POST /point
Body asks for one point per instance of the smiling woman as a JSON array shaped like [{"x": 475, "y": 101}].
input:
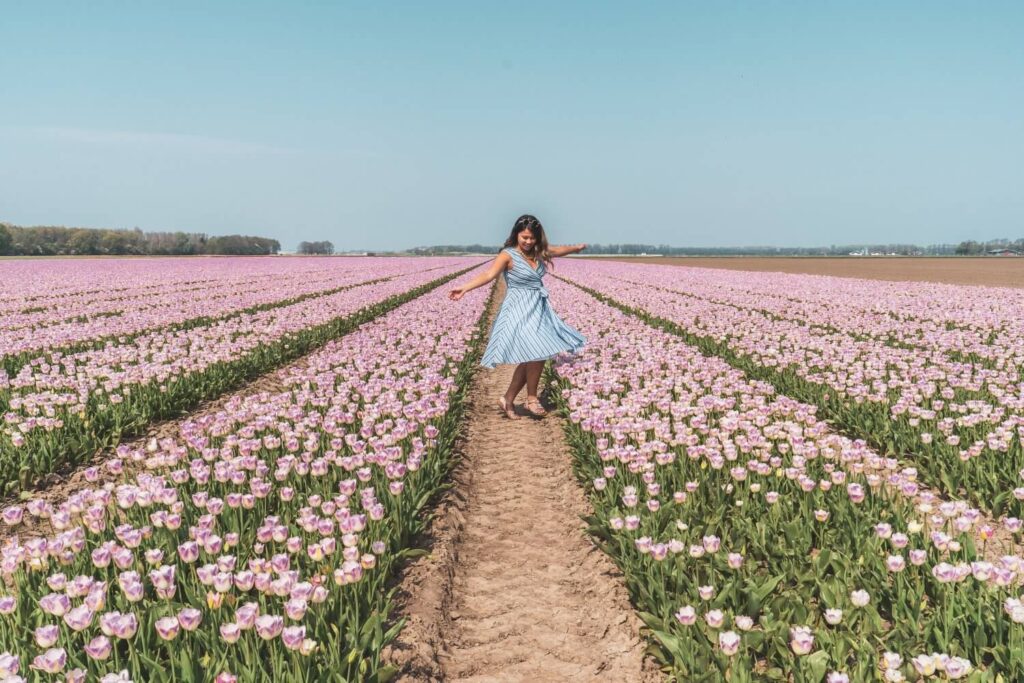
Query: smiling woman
[{"x": 526, "y": 331}]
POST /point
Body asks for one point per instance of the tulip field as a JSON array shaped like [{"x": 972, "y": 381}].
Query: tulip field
[
  {"x": 62, "y": 404},
  {"x": 256, "y": 545},
  {"x": 930, "y": 371},
  {"x": 800, "y": 476},
  {"x": 129, "y": 297}
]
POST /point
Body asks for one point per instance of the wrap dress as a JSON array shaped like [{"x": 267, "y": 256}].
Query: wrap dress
[{"x": 526, "y": 327}]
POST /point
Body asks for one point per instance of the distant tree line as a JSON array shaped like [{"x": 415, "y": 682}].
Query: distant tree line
[
  {"x": 972, "y": 248},
  {"x": 61, "y": 241},
  {"x": 964, "y": 248},
  {"x": 455, "y": 249},
  {"x": 323, "y": 247}
]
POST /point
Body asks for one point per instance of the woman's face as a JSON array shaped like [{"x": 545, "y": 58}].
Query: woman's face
[{"x": 526, "y": 240}]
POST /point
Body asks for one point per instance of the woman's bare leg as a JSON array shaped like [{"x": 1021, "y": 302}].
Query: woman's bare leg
[
  {"x": 516, "y": 385},
  {"x": 533, "y": 371}
]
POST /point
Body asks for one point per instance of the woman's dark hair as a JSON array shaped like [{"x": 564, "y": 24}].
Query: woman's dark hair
[{"x": 540, "y": 241}]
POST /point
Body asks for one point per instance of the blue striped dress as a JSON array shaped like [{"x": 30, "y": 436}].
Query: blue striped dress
[{"x": 526, "y": 327}]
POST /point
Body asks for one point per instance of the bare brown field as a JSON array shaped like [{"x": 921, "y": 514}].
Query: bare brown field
[{"x": 992, "y": 271}]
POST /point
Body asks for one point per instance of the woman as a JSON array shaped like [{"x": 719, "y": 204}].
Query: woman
[{"x": 526, "y": 330}]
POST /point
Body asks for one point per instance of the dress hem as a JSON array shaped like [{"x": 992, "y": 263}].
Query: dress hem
[{"x": 573, "y": 350}]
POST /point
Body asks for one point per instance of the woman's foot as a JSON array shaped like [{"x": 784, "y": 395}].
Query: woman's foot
[
  {"x": 507, "y": 408},
  {"x": 534, "y": 407}
]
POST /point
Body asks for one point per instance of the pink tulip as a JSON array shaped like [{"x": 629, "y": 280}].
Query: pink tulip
[
  {"x": 687, "y": 615},
  {"x": 957, "y": 667},
  {"x": 55, "y": 603},
  {"x": 729, "y": 643},
  {"x": 190, "y": 618},
  {"x": 801, "y": 640},
  {"x": 78, "y": 618},
  {"x": 8, "y": 604},
  {"x": 9, "y": 664},
  {"x": 293, "y": 636},
  {"x": 52, "y": 661},
  {"x": 245, "y": 616},
  {"x": 12, "y": 516},
  {"x": 45, "y": 636},
  {"x": 855, "y": 493},
  {"x": 167, "y": 627},
  {"x": 895, "y": 563},
  {"x": 99, "y": 648},
  {"x": 230, "y": 632},
  {"x": 268, "y": 626}
]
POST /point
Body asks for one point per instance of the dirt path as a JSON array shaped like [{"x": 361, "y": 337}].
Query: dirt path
[
  {"x": 993, "y": 271},
  {"x": 513, "y": 590}
]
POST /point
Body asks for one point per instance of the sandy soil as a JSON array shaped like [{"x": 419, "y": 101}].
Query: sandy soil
[
  {"x": 994, "y": 271},
  {"x": 513, "y": 590}
]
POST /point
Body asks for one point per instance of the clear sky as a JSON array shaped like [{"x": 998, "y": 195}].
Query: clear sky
[{"x": 385, "y": 125}]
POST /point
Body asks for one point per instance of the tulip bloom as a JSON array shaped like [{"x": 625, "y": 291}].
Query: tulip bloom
[
  {"x": 729, "y": 643},
  {"x": 167, "y": 627},
  {"x": 190, "y": 618},
  {"x": 230, "y": 632},
  {"x": 268, "y": 626},
  {"x": 687, "y": 615},
  {"x": 9, "y": 664},
  {"x": 52, "y": 661},
  {"x": 45, "y": 636},
  {"x": 860, "y": 598},
  {"x": 99, "y": 648},
  {"x": 801, "y": 640}
]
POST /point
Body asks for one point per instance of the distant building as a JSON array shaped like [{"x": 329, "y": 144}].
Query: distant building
[{"x": 1003, "y": 251}]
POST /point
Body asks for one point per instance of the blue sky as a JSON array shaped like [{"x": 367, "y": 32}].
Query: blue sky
[{"x": 385, "y": 125}]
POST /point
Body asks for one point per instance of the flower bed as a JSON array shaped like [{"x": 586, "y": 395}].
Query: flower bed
[
  {"x": 947, "y": 397},
  {"x": 758, "y": 543},
  {"x": 256, "y": 546},
  {"x": 161, "y": 294},
  {"x": 59, "y": 412}
]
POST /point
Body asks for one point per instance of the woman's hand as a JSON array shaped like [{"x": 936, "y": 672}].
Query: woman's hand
[
  {"x": 580, "y": 247},
  {"x": 456, "y": 293}
]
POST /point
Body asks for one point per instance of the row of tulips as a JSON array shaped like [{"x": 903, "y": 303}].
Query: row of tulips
[
  {"x": 960, "y": 421},
  {"x": 760, "y": 544},
  {"x": 58, "y": 414},
  {"x": 983, "y": 324},
  {"x": 175, "y": 299},
  {"x": 258, "y": 544},
  {"x": 45, "y": 283},
  {"x": 85, "y": 279}
]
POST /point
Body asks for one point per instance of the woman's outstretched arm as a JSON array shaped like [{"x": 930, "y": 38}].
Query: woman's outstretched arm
[
  {"x": 501, "y": 262},
  {"x": 565, "y": 251}
]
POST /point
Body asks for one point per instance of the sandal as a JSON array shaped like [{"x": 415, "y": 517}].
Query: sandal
[
  {"x": 510, "y": 411},
  {"x": 534, "y": 407}
]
